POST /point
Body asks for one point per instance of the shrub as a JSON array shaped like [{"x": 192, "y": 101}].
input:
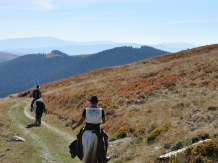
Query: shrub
[
  {"x": 182, "y": 143},
  {"x": 121, "y": 133},
  {"x": 204, "y": 152},
  {"x": 212, "y": 108},
  {"x": 154, "y": 133},
  {"x": 188, "y": 141},
  {"x": 199, "y": 137}
]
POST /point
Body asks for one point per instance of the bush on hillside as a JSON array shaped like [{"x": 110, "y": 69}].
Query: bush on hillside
[
  {"x": 199, "y": 137},
  {"x": 212, "y": 108},
  {"x": 206, "y": 152},
  {"x": 188, "y": 141},
  {"x": 121, "y": 133},
  {"x": 154, "y": 133},
  {"x": 182, "y": 143}
]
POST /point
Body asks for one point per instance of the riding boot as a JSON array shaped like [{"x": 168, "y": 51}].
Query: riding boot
[{"x": 73, "y": 148}]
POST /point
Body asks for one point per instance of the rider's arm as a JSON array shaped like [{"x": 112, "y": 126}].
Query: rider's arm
[
  {"x": 102, "y": 120},
  {"x": 79, "y": 122},
  {"x": 82, "y": 118},
  {"x": 103, "y": 117}
]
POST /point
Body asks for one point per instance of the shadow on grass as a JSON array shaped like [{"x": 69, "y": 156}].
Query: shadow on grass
[{"x": 32, "y": 125}]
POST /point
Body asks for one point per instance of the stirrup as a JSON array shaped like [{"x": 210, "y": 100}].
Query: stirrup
[{"x": 106, "y": 159}]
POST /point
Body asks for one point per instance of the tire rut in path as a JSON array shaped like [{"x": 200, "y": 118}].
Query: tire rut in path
[
  {"x": 45, "y": 153},
  {"x": 46, "y": 156},
  {"x": 68, "y": 137}
]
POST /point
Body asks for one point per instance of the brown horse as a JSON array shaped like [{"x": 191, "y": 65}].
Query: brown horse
[{"x": 91, "y": 148}]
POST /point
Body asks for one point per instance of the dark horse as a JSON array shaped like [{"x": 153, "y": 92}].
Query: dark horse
[
  {"x": 91, "y": 149},
  {"x": 39, "y": 108}
]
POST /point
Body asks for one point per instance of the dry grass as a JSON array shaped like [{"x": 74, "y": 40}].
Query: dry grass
[
  {"x": 52, "y": 144},
  {"x": 176, "y": 91},
  {"x": 13, "y": 151}
]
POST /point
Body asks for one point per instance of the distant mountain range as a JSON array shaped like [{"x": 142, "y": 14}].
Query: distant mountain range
[
  {"x": 174, "y": 47},
  {"x": 31, "y": 45},
  {"x": 28, "y": 70},
  {"x": 7, "y": 56}
]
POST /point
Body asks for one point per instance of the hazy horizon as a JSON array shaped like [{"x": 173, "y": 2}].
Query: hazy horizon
[
  {"x": 133, "y": 21},
  {"x": 33, "y": 45}
]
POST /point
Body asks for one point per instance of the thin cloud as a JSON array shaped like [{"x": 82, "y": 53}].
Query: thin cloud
[
  {"x": 44, "y": 5},
  {"x": 27, "y": 5}
]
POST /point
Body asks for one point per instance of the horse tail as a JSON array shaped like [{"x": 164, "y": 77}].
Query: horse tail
[{"x": 90, "y": 143}]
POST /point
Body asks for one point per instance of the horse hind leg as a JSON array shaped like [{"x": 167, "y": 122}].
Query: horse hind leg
[
  {"x": 35, "y": 122},
  {"x": 39, "y": 120}
]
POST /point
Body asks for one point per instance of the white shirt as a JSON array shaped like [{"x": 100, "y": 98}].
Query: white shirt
[{"x": 93, "y": 115}]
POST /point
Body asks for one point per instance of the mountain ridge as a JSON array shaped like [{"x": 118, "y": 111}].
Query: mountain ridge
[{"x": 29, "y": 70}]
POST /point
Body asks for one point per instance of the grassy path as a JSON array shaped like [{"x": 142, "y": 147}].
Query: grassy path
[{"x": 51, "y": 144}]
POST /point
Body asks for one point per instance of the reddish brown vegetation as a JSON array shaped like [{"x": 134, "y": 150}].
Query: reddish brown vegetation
[{"x": 139, "y": 97}]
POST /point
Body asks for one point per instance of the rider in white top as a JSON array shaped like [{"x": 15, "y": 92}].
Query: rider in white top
[{"x": 94, "y": 117}]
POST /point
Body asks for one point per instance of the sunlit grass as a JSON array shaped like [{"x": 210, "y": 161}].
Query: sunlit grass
[
  {"x": 57, "y": 146},
  {"x": 176, "y": 90}
]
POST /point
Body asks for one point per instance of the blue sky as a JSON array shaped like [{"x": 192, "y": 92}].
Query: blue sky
[{"x": 134, "y": 21}]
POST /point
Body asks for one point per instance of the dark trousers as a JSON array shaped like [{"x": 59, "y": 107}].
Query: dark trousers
[{"x": 33, "y": 102}]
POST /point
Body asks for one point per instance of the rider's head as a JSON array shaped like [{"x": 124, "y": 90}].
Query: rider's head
[
  {"x": 94, "y": 99},
  {"x": 37, "y": 86}
]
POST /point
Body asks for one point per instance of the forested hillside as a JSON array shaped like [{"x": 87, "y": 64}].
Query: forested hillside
[{"x": 28, "y": 70}]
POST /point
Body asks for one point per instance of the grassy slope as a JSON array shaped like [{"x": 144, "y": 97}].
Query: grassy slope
[
  {"x": 172, "y": 94},
  {"x": 39, "y": 140},
  {"x": 13, "y": 151}
]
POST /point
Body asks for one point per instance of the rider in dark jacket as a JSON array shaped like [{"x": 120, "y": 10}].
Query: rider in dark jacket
[
  {"x": 36, "y": 95},
  {"x": 94, "y": 117}
]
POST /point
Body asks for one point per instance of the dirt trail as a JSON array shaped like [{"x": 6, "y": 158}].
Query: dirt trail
[
  {"x": 44, "y": 152},
  {"x": 66, "y": 136},
  {"x": 47, "y": 155}
]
